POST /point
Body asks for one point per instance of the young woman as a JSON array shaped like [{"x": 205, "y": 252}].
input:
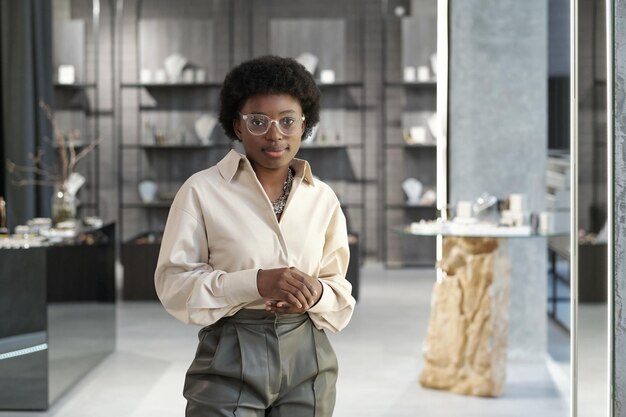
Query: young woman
[{"x": 255, "y": 250}]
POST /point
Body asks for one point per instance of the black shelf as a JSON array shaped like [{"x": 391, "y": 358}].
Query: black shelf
[
  {"x": 404, "y": 206},
  {"x": 159, "y": 204},
  {"x": 342, "y": 84},
  {"x": 414, "y": 146},
  {"x": 331, "y": 146},
  {"x": 175, "y": 147},
  {"x": 414, "y": 84},
  {"x": 76, "y": 86},
  {"x": 172, "y": 86}
]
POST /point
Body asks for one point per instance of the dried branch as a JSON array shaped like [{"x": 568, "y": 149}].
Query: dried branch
[
  {"x": 65, "y": 148},
  {"x": 59, "y": 139},
  {"x": 87, "y": 149}
]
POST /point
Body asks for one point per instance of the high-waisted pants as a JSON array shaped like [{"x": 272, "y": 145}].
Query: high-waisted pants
[{"x": 258, "y": 364}]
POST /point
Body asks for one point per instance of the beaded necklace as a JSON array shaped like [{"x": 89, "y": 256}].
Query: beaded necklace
[{"x": 279, "y": 205}]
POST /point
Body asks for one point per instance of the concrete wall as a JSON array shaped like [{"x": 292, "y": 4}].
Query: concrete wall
[{"x": 497, "y": 135}]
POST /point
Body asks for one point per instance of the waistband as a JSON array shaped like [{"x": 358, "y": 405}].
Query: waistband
[{"x": 251, "y": 316}]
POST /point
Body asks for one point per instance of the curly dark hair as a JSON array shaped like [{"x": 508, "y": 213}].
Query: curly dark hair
[{"x": 268, "y": 75}]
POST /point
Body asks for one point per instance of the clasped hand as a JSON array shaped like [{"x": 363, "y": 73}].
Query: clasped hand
[{"x": 288, "y": 290}]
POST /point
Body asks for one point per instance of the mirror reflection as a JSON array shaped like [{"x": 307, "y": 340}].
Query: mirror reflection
[{"x": 592, "y": 317}]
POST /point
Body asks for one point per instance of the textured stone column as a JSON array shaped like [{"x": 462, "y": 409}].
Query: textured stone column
[
  {"x": 498, "y": 136},
  {"x": 466, "y": 345},
  {"x": 619, "y": 206}
]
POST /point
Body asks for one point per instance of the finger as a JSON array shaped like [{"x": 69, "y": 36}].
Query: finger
[
  {"x": 294, "y": 293},
  {"x": 300, "y": 285},
  {"x": 306, "y": 279},
  {"x": 288, "y": 309},
  {"x": 299, "y": 301}
]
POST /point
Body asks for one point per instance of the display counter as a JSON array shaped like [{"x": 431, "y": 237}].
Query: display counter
[
  {"x": 466, "y": 344},
  {"x": 57, "y": 316}
]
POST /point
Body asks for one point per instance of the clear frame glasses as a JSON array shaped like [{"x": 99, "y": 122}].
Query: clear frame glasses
[{"x": 259, "y": 124}]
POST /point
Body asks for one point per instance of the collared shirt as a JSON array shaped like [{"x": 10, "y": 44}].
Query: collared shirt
[{"x": 221, "y": 229}]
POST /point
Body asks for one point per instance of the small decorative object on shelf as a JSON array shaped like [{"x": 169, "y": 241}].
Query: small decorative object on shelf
[
  {"x": 145, "y": 76},
  {"x": 188, "y": 75},
  {"x": 204, "y": 127},
  {"x": 200, "y": 76},
  {"x": 309, "y": 61},
  {"x": 486, "y": 208},
  {"x": 174, "y": 65},
  {"x": 418, "y": 135},
  {"x": 413, "y": 189},
  {"x": 66, "y": 74},
  {"x": 423, "y": 73},
  {"x": 3, "y": 217},
  {"x": 327, "y": 76},
  {"x": 160, "y": 76},
  {"x": 147, "y": 191},
  {"x": 64, "y": 179},
  {"x": 410, "y": 74},
  {"x": 429, "y": 198}
]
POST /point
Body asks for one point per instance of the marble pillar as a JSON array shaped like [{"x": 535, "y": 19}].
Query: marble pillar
[
  {"x": 466, "y": 345},
  {"x": 498, "y": 136}
]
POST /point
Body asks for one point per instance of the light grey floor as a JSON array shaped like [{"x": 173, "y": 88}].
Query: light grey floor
[{"x": 379, "y": 355}]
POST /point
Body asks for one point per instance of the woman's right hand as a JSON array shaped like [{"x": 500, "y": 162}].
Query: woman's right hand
[{"x": 287, "y": 284}]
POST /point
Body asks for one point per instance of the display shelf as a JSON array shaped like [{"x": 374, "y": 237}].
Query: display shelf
[
  {"x": 77, "y": 105},
  {"x": 78, "y": 86},
  {"x": 199, "y": 32},
  {"x": 335, "y": 36},
  {"x": 340, "y": 84},
  {"x": 192, "y": 147},
  {"x": 412, "y": 146},
  {"x": 406, "y": 206},
  {"x": 152, "y": 205},
  {"x": 409, "y": 42},
  {"x": 326, "y": 146},
  {"x": 172, "y": 86},
  {"x": 430, "y": 85}
]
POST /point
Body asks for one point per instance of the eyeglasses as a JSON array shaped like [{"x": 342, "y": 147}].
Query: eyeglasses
[{"x": 259, "y": 124}]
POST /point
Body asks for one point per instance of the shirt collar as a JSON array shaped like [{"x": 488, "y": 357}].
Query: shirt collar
[{"x": 232, "y": 162}]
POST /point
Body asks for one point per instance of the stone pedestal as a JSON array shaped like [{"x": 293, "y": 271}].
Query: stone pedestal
[{"x": 466, "y": 345}]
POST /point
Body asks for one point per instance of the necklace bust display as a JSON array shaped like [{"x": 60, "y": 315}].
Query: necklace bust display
[{"x": 279, "y": 205}]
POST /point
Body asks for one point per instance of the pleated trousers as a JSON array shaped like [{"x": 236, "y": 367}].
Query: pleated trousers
[{"x": 258, "y": 364}]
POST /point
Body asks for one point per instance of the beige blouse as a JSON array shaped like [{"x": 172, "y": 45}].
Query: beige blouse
[{"x": 221, "y": 229}]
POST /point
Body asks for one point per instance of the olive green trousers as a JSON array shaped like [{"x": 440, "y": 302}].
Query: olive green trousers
[{"x": 257, "y": 364}]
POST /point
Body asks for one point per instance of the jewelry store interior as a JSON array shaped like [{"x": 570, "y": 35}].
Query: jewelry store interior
[{"x": 465, "y": 140}]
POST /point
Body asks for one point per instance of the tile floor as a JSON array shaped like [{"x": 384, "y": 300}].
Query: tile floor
[{"x": 379, "y": 355}]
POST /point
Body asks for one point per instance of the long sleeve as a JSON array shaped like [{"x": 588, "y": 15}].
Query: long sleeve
[
  {"x": 189, "y": 288},
  {"x": 336, "y": 305}
]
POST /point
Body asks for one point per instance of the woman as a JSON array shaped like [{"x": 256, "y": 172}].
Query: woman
[{"x": 255, "y": 250}]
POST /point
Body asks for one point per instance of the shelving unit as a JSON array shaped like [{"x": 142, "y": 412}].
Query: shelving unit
[
  {"x": 76, "y": 40},
  {"x": 334, "y": 34},
  {"x": 165, "y": 147},
  {"x": 409, "y": 40},
  {"x": 286, "y": 28}
]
